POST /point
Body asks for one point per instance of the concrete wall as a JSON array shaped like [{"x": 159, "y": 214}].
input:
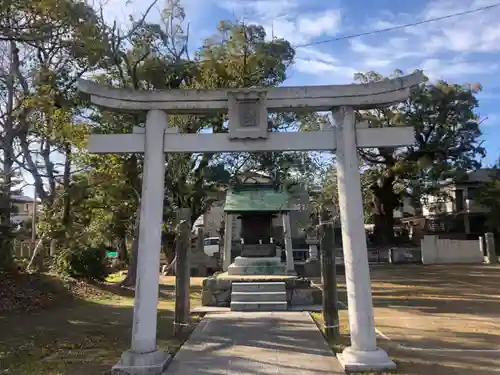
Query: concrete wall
[{"x": 442, "y": 251}]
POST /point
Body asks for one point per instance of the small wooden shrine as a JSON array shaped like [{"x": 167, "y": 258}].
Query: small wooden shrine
[{"x": 256, "y": 205}]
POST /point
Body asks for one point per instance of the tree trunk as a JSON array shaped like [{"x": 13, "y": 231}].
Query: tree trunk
[
  {"x": 132, "y": 266},
  {"x": 123, "y": 248},
  {"x": 65, "y": 238},
  {"x": 7, "y": 146},
  {"x": 6, "y": 248},
  {"x": 384, "y": 201},
  {"x": 169, "y": 245}
]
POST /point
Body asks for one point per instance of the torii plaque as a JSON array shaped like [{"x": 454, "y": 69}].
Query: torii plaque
[{"x": 248, "y": 132}]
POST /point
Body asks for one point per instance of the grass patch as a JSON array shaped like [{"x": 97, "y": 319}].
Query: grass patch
[
  {"x": 84, "y": 335},
  {"x": 344, "y": 340},
  {"x": 116, "y": 277}
]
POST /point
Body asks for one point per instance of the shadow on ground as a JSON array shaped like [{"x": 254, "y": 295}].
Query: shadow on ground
[
  {"x": 259, "y": 343},
  {"x": 439, "y": 307},
  {"x": 81, "y": 336}
]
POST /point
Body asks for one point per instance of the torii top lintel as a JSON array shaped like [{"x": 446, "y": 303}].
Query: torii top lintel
[{"x": 312, "y": 98}]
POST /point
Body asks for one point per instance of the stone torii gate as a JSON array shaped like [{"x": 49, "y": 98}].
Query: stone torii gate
[{"x": 248, "y": 131}]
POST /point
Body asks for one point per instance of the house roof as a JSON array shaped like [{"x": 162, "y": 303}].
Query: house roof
[
  {"x": 474, "y": 176},
  {"x": 257, "y": 198}
]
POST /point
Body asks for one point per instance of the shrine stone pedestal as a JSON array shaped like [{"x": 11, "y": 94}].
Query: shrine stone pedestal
[
  {"x": 257, "y": 259},
  {"x": 244, "y": 266}
]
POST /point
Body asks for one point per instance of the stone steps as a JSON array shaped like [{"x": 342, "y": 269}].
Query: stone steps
[
  {"x": 258, "y": 306},
  {"x": 258, "y": 296},
  {"x": 258, "y": 286}
]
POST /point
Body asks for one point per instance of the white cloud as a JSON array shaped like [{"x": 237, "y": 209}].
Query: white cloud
[
  {"x": 442, "y": 48},
  {"x": 261, "y": 9},
  {"x": 327, "y": 71},
  {"x": 474, "y": 32},
  {"x": 309, "y": 53},
  {"x": 328, "y": 23},
  {"x": 440, "y": 69},
  {"x": 294, "y": 20},
  {"x": 288, "y": 19}
]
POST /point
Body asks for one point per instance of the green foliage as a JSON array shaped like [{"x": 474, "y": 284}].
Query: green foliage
[
  {"x": 489, "y": 196},
  {"x": 89, "y": 263},
  {"x": 239, "y": 56},
  {"x": 95, "y": 198},
  {"x": 446, "y": 136},
  {"x": 8, "y": 180},
  {"x": 328, "y": 195}
]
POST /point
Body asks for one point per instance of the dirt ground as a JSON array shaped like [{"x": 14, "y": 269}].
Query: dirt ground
[
  {"x": 438, "y": 320},
  {"x": 81, "y": 337}
]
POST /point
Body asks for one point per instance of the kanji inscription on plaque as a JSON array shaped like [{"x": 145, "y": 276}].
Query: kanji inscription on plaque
[
  {"x": 249, "y": 111},
  {"x": 247, "y": 114}
]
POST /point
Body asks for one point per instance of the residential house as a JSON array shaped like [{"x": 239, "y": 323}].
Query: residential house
[
  {"x": 23, "y": 208},
  {"x": 454, "y": 211}
]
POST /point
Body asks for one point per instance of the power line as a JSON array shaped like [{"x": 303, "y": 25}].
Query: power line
[
  {"x": 398, "y": 27},
  {"x": 372, "y": 32}
]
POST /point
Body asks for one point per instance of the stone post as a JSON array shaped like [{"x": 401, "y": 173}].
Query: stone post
[
  {"x": 198, "y": 259},
  {"x": 313, "y": 251},
  {"x": 182, "y": 273},
  {"x": 312, "y": 266},
  {"x": 143, "y": 355},
  {"x": 228, "y": 238},
  {"x": 329, "y": 275},
  {"x": 287, "y": 236},
  {"x": 363, "y": 354},
  {"x": 490, "y": 248}
]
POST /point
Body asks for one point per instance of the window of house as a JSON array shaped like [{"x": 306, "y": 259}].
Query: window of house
[{"x": 471, "y": 192}]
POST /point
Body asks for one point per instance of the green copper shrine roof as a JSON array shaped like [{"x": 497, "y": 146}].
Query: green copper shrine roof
[{"x": 257, "y": 198}]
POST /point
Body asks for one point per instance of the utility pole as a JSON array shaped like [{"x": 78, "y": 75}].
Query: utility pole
[
  {"x": 329, "y": 274},
  {"x": 182, "y": 273}
]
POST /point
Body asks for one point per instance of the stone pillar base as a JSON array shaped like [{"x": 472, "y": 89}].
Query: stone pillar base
[
  {"x": 353, "y": 360},
  {"x": 131, "y": 363},
  {"x": 312, "y": 268}
]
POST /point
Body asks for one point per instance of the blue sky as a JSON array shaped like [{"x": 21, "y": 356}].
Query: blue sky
[{"x": 462, "y": 49}]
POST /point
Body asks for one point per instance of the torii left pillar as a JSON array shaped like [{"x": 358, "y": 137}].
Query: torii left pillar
[{"x": 143, "y": 357}]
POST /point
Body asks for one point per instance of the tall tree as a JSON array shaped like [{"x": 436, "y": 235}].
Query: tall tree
[
  {"x": 489, "y": 196},
  {"x": 50, "y": 45},
  {"x": 155, "y": 56},
  {"x": 446, "y": 141},
  {"x": 328, "y": 195}
]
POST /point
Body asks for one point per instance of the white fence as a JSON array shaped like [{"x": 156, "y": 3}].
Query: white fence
[{"x": 436, "y": 250}]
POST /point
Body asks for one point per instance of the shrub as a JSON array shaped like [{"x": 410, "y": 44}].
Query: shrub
[{"x": 88, "y": 263}]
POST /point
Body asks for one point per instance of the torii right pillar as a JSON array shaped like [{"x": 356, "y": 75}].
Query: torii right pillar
[{"x": 363, "y": 354}]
